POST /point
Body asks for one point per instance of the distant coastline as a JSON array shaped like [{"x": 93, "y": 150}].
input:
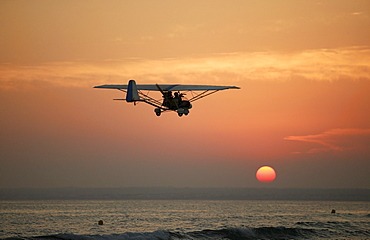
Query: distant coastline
[{"x": 174, "y": 193}]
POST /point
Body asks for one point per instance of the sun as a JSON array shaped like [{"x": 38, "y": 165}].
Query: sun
[{"x": 266, "y": 174}]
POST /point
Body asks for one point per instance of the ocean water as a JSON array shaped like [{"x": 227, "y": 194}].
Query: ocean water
[{"x": 183, "y": 219}]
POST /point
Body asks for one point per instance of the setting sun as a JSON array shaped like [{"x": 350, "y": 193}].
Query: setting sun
[{"x": 266, "y": 174}]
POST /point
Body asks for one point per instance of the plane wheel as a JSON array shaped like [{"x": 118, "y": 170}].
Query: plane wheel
[
  {"x": 157, "y": 112},
  {"x": 180, "y": 111},
  {"x": 186, "y": 112}
]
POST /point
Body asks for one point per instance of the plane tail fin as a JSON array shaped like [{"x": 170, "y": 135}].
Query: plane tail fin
[{"x": 132, "y": 94}]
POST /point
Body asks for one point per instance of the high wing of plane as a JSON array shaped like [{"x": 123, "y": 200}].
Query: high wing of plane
[{"x": 172, "y": 95}]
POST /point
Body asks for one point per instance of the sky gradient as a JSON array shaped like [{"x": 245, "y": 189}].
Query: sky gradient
[{"x": 303, "y": 107}]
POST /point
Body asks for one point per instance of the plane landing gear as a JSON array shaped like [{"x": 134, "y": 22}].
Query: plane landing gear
[
  {"x": 182, "y": 111},
  {"x": 158, "y": 111}
]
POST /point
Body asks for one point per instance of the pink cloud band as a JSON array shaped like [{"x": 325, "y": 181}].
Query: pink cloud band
[{"x": 336, "y": 139}]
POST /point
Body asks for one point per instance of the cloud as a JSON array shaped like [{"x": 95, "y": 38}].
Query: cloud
[
  {"x": 336, "y": 140},
  {"x": 316, "y": 65}
]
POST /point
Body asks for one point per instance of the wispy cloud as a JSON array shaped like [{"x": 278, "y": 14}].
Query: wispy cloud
[
  {"x": 336, "y": 140},
  {"x": 317, "y": 65}
]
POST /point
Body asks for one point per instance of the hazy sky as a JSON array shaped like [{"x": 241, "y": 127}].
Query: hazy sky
[{"x": 303, "y": 107}]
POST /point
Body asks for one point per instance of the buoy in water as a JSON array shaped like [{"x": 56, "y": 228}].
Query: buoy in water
[
  {"x": 100, "y": 222},
  {"x": 333, "y": 211}
]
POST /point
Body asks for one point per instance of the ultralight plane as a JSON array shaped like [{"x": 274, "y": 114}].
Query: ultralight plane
[{"x": 173, "y": 96}]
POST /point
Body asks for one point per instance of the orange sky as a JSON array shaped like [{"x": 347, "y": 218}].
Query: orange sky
[{"x": 303, "y": 68}]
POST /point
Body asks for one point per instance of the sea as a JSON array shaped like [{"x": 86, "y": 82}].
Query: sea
[{"x": 183, "y": 219}]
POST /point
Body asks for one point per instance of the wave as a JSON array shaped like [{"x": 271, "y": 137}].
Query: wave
[
  {"x": 327, "y": 224},
  {"x": 227, "y": 233},
  {"x": 253, "y": 233},
  {"x": 350, "y": 229}
]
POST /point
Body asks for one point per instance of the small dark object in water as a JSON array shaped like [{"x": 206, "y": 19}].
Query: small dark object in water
[
  {"x": 100, "y": 222},
  {"x": 333, "y": 211}
]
